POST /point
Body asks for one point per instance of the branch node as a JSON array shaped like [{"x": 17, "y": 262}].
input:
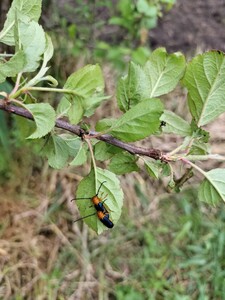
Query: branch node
[{"x": 82, "y": 133}]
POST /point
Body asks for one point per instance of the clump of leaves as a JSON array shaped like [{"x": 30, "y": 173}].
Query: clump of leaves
[{"x": 138, "y": 98}]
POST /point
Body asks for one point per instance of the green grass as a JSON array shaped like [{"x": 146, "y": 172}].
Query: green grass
[
  {"x": 181, "y": 256},
  {"x": 178, "y": 256}
]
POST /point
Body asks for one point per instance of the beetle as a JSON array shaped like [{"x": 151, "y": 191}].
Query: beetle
[
  {"x": 98, "y": 203},
  {"x": 103, "y": 217},
  {"x": 102, "y": 212}
]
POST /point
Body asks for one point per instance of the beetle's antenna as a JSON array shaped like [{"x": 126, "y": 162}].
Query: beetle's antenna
[
  {"x": 85, "y": 217},
  {"x": 80, "y": 199},
  {"x": 100, "y": 187}
]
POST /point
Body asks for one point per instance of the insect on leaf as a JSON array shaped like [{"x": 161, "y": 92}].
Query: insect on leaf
[
  {"x": 88, "y": 188},
  {"x": 140, "y": 121},
  {"x": 175, "y": 124}
]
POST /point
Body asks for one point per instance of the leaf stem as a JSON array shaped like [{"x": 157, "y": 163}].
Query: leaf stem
[
  {"x": 6, "y": 31},
  {"x": 175, "y": 150},
  {"x": 205, "y": 157},
  {"x": 17, "y": 84},
  {"x": 5, "y": 55},
  {"x": 193, "y": 165},
  {"x": 92, "y": 155},
  {"x": 44, "y": 89}
]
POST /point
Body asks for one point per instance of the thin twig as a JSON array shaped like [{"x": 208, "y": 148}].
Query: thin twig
[
  {"x": 77, "y": 130},
  {"x": 17, "y": 84}
]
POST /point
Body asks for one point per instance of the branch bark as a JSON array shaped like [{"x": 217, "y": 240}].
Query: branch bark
[{"x": 77, "y": 130}]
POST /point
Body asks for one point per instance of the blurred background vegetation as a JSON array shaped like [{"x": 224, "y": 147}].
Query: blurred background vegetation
[{"x": 165, "y": 246}]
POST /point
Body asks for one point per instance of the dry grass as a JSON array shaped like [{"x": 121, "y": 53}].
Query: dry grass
[
  {"x": 36, "y": 229},
  {"x": 44, "y": 255}
]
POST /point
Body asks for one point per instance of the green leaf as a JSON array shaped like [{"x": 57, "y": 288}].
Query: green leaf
[
  {"x": 132, "y": 89},
  {"x": 105, "y": 124},
  {"x": 49, "y": 50},
  {"x": 140, "y": 55},
  {"x": 175, "y": 124},
  {"x": 140, "y": 121},
  {"x": 88, "y": 188},
  {"x": 199, "y": 133},
  {"x": 76, "y": 111},
  {"x": 118, "y": 21},
  {"x": 63, "y": 108},
  {"x": 25, "y": 128},
  {"x": 123, "y": 163},
  {"x": 150, "y": 23},
  {"x": 165, "y": 169},
  {"x": 163, "y": 71},
  {"x": 81, "y": 156},
  {"x": 71, "y": 146},
  {"x": 48, "y": 53},
  {"x": 200, "y": 138},
  {"x": 156, "y": 168},
  {"x": 12, "y": 67},
  {"x": 33, "y": 41},
  {"x": 159, "y": 76},
  {"x": 29, "y": 8},
  {"x": 57, "y": 152},
  {"x": 104, "y": 151},
  {"x": 143, "y": 7},
  {"x": 153, "y": 168},
  {"x": 86, "y": 86},
  {"x": 73, "y": 142},
  {"x": 204, "y": 80},
  {"x": 86, "y": 81},
  {"x": 101, "y": 153},
  {"x": 170, "y": 2},
  {"x": 212, "y": 189},
  {"x": 199, "y": 148},
  {"x": 90, "y": 107},
  {"x": 126, "y": 8},
  {"x": 44, "y": 117}
]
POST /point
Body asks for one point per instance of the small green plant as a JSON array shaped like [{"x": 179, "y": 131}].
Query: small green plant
[
  {"x": 138, "y": 98},
  {"x": 128, "y": 24},
  {"x": 134, "y": 19},
  {"x": 137, "y": 17}
]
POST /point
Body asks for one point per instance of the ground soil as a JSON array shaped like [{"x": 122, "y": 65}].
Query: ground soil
[{"x": 190, "y": 25}]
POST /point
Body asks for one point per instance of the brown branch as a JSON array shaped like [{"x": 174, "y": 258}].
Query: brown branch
[{"x": 77, "y": 130}]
